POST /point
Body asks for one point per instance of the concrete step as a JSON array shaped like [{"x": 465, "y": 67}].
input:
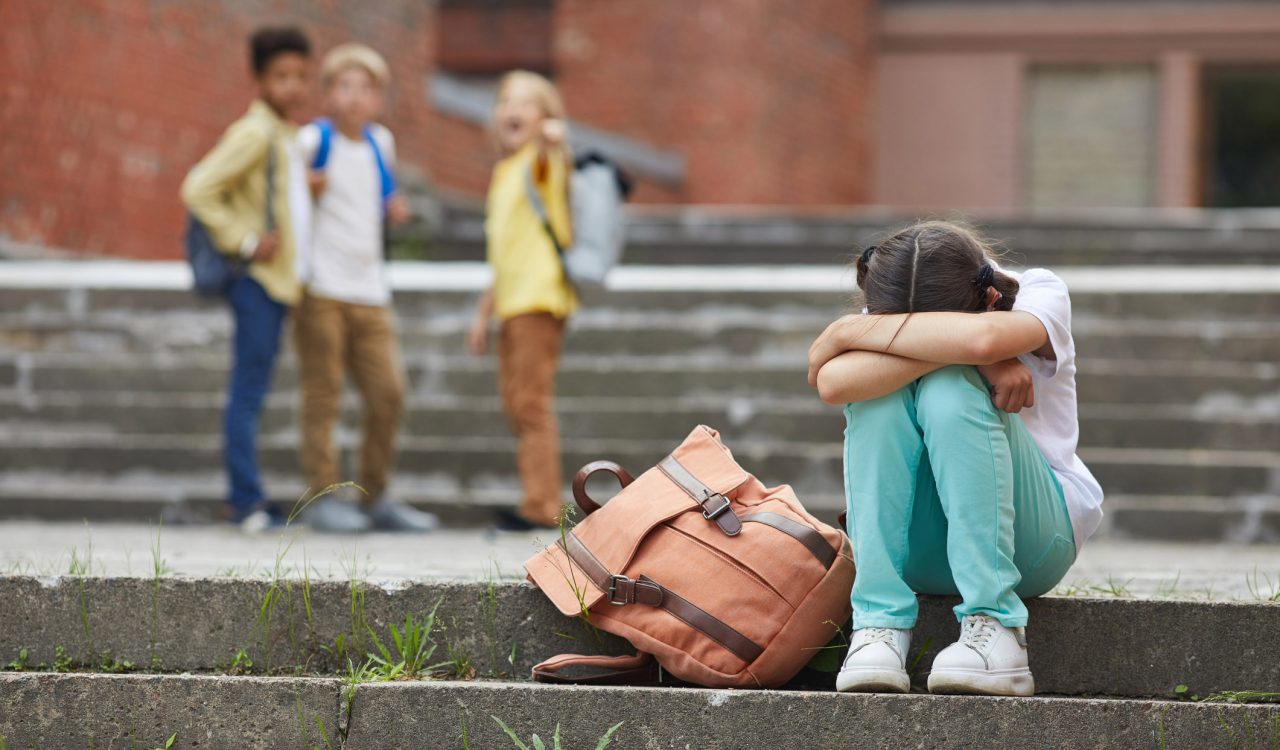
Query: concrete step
[
  {"x": 1099, "y": 381},
  {"x": 427, "y": 290},
  {"x": 814, "y": 468},
  {"x": 741, "y": 334},
  {"x": 102, "y": 710},
  {"x": 198, "y": 497},
  {"x": 200, "y": 624},
  {"x": 788, "y": 418}
]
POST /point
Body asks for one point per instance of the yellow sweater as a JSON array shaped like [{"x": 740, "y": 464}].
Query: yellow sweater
[
  {"x": 227, "y": 189},
  {"x": 527, "y": 275}
]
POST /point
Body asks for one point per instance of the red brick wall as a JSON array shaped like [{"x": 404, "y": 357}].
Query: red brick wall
[
  {"x": 105, "y": 104},
  {"x": 767, "y": 99}
]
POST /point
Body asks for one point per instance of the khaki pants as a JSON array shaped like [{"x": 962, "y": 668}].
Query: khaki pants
[
  {"x": 528, "y": 354},
  {"x": 334, "y": 338}
]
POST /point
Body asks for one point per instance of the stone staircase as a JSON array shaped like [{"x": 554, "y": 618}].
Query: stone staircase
[
  {"x": 191, "y": 638},
  {"x": 111, "y": 380}
]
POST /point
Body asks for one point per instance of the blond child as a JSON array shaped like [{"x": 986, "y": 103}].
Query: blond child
[
  {"x": 345, "y": 323},
  {"x": 530, "y": 295}
]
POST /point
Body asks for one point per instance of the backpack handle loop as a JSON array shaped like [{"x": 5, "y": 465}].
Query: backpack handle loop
[{"x": 580, "y": 495}]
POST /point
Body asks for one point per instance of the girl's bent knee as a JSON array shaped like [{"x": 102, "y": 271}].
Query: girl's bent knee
[{"x": 944, "y": 392}]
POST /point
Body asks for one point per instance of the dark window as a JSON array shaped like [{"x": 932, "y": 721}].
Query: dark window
[{"x": 1242, "y": 136}]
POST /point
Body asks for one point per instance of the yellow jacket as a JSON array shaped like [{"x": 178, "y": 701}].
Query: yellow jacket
[
  {"x": 527, "y": 273},
  {"x": 227, "y": 189}
]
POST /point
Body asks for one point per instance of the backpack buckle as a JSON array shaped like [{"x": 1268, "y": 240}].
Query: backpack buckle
[
  {"x": 620, "y": 585},
  {"x": 712, "y": 514}
]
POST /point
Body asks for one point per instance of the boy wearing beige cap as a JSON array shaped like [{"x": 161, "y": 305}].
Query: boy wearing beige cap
[{"x": 345, "y": 323}]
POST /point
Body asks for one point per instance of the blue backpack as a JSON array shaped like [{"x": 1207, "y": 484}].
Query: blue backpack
[{"x": 213, "y": 270}]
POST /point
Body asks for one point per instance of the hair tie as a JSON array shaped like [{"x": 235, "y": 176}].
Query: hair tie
[
  {"x": 866, "y": 255},
  {"x": 986, "y": 275}
]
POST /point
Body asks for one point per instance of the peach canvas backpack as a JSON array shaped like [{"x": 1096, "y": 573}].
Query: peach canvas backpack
[{"x": 726, "y": 582}]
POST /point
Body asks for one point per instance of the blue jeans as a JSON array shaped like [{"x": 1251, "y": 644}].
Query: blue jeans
[
  {"x": 258, "y": 324},
  {"x": 949, "y": 495}
]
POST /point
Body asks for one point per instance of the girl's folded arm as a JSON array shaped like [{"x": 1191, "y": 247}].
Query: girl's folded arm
[
  {"x": 951, "y": 337},
  {"x": 861, "y": 376}
]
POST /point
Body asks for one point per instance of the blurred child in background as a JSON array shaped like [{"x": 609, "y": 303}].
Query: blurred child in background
[
  {"x": 530, "y": 295},
  {"x": 249, "y": 191},
  {"x": 344, "y": 322}
]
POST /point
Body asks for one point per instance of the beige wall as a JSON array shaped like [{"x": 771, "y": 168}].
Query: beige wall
[
  {"x": 954, "y": 98},
  {"x": 947, "y": 130}
]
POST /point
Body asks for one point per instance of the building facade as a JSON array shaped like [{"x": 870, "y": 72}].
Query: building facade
[{"x": 998, "y": 106}]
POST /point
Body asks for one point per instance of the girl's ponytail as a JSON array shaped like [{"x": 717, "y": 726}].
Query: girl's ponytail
[
  {"x": 989, "y": 278},
  {"x": 862, "y": 264}
]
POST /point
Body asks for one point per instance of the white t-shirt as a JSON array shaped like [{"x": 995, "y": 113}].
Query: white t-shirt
[
  {"x": 344, "y": 260},
  {"x": 1053, "y": 421}
]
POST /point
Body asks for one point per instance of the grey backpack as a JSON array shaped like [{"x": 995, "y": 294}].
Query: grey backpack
[{"x": 597, "y": 191}]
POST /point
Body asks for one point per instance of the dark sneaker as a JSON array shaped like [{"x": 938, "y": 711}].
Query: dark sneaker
[
  {"x": 511, "y": 522},
  {"x": 393, "y": 515},
  {"x": 333, "y": 515}
]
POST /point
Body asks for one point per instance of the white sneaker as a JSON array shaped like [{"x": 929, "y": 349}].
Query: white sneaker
[
  {"x": 877, "y": 662},
  {"x": 989, "y": 659},
  {"x": 258, "y": 522}
]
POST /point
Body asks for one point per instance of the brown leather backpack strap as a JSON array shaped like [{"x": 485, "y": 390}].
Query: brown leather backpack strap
[
  {"x": 622, "y": 591},
  {"x": 715, "y": 506},
  {"x": 618, "y": 589},
  {"x": 580, "y": 495},
  {"x": 639, "y": 669},
  {"x": 806, "y": 535}
]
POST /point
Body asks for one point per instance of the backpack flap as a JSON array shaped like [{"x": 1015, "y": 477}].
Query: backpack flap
[{"x": 614, "y": 533}]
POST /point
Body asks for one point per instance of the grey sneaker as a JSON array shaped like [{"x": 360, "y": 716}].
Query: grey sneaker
[
  {"x": 333, "y": 515},
  {"x": 393, "y": 515}
]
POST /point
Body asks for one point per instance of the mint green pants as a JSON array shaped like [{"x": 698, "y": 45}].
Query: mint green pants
[{"x": 949, "y": 495}]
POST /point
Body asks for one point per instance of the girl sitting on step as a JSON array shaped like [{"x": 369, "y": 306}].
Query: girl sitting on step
[{"x": 961, "y": 474}]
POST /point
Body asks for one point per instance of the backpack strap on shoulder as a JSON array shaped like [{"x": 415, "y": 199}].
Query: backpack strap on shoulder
[
  {"x": 321, "y": 158},
  {"x": 387, "y": 181}
]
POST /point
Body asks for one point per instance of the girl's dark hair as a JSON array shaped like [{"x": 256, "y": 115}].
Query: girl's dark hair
[
  {"x": 932, "y": 266},
  {"x": 269, "y": 42}
]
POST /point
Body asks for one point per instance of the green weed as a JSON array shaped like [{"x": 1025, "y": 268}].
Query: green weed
[
  {"x": 1168, "y": 590},
  {"x": 168, "y": 744},
  {"x": 913, "y": 669},
  {"x": 114, "y": 666},
  {"x": 538, "y": 744},
  {"x": 62, "y": 661},
  {"x": 241, "y": 663},
  {"x": 81, "y": 568},
  {"x": 301, "y": 713},
  {"x": 413, "y": 649},
  {"x": 1075, "y": 588},
  {"x": 159, "y": 567},
  {"x": 19, "y": 664},
  {"x": 1112, "y": 588},
  {"x": 1261, "y": 588},
  {"x": 458, "y": 666},
  {"x": 489, "y": 615}
]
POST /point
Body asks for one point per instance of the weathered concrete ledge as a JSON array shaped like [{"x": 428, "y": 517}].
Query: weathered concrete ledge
[
  {"x": 431, "y": 715},
  {"x": 1134, "y": 648},
  {"x": 142, "y": 711},
  {"x": 77, "y": 710}
]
